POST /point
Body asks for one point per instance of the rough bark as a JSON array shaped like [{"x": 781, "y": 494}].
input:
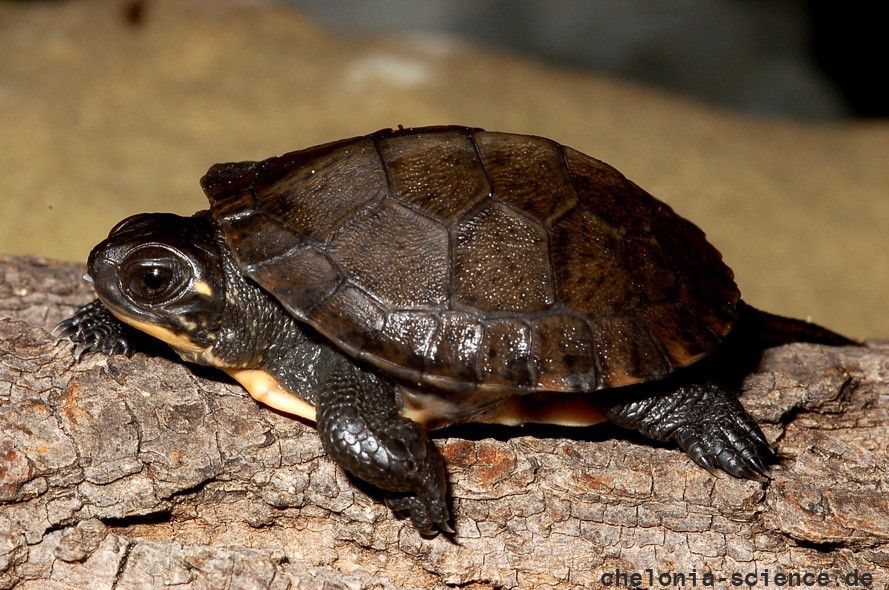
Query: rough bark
[{"x": 140, "y": 472}]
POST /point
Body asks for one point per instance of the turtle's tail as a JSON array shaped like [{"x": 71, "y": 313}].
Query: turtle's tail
[{"x": 774, "y": 330}]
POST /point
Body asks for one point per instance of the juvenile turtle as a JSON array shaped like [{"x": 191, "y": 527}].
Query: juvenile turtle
[{"x": 389, "y": 284}]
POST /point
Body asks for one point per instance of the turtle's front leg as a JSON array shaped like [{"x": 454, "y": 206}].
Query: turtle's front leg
[
  {"x": 362, "y": 430},
  {"x": 95, "y": 329}
]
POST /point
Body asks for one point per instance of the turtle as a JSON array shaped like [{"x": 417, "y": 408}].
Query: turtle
[{"x": 390, "y": 284}]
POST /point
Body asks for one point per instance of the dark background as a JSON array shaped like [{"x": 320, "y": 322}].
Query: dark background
[{"x": 803, "y": 60}]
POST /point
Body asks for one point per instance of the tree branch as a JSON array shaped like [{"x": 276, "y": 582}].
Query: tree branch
[{"x": 132, "y": 472}]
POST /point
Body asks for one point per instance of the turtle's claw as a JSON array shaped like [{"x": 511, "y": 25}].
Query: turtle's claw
[
  {"x": 725, "y": 447},
  {"x": 79, "y": 351},
  {"x": 69, "y": 329},
  {"x": 707, "y": 422},
  {"x": 94, "y": 329},
  {"x": 428, "y": 518},
  {"x": 699, "y": 455},
  {"x": 60, "y": 332},
  {"x": 121, "y": 346},
  {"x": 759, "y": 467}
]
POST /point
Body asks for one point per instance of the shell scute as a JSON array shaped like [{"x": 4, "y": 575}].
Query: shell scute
[
  {"x": 317, "y": 195},
  {"x": 591, "y": 271},
  {"x": 349, "y": 316},
  {"x": 564, "y": 353},
  {"x": 392, "y": 240},
  {"x": 505, "y": 354},
  {"x": 626, "y": 352},
  {"x": 607, "y": 193},
  {"x": 682, "y": 336},
  {"x": 454, "y": 348},
  {"x": 302, "y": 279},
  {"x": 435, "y": 172},
  {"x": 259, "y": 238},
  {"x": 406, "y": 338},
  {"x": 501, "y": 262},
  {"x": 652, "y": 278},
  {"x": 528, "y": 173}
]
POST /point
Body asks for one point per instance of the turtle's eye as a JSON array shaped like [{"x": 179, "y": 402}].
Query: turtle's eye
[
  {"x": 153, "y": 277},
  {"x": 155, "y": 280},
  {"x": 153, "y": 283}
]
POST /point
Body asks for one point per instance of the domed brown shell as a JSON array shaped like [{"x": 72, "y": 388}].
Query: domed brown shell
[{"x": 461, "y": 258}]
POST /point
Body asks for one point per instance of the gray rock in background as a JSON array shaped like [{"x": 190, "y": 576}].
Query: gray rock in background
[{"x": 750, "y": 56}]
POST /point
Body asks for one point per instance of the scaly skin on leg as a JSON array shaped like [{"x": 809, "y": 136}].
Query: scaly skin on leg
[
  {"x": 706, "y": 421},
  {"x": 362, "y": 430},
  {"x": 95, "y": 329}
]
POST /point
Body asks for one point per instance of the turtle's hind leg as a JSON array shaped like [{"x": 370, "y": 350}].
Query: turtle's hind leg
[
  {"x": 706, "y": 420},
  {"x": 362, "y": 430}
]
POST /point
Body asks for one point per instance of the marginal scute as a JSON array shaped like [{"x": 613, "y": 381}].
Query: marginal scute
[
  {"x": 564, "y": 353},
  {"x": 228, "y": 179},
  {"x": 681, "y": 335},
  {"x": 627, "y": 354},
  {"x": 405, "y": 338},
  {"x": 501, "y": 262},
  {"x": 505, "y": 353},
  {"x": 454, "y": 348}
]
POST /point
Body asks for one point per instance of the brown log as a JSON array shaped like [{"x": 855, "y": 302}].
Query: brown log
[{"x": 143, "y": 472}]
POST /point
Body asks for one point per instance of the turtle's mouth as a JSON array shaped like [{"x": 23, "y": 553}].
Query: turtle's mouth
[
  {"x": 88, "y": 278},
  {"x": 179, "y": 342}
]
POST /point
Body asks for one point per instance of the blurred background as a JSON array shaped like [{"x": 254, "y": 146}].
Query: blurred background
[
  {"x": 803, "y": 59},
  {"x": 763, "y": 122}
]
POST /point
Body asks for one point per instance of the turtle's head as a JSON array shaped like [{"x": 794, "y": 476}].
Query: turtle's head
[{"x": 164, "y": 275}]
